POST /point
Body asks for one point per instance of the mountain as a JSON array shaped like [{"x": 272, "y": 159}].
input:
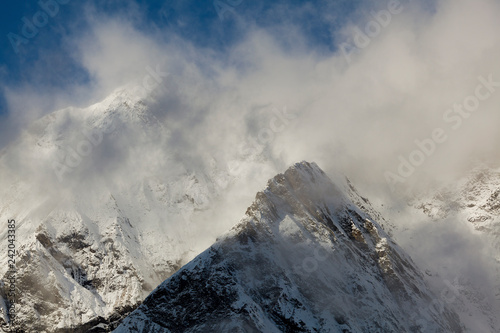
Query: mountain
[
  {"x": 308, "y": 256},
  {"x": 105, "y": 210},
  {"x": 108, "y": 205},
  {"x": 471, "y": 204},
  {"x": 475, "y": 198}
]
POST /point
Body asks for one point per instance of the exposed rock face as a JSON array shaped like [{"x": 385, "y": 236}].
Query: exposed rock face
[{"x": 305, "y": 258}]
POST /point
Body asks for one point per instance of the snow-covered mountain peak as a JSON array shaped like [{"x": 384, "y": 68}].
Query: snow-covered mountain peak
[
  {"x": 303, "y": 184},
  {"x": 304, "y": 258},
  {"x": 306, "y": 192},
  {"x": 125, "y": 95},
  {"x": 474, "y": 197},
  {"x": 102, "y": 208}
]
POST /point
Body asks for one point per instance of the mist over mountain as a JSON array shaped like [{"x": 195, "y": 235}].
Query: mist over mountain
[
  {"x": 134, "y": 134},
  {"x": 305, "y": 258}
]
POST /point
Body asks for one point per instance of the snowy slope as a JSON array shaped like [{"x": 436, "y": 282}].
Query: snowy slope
[
  {"x": 305, "y": 258},
  {"x": 475, "y": 198},
  {"x": 470, "y": 204},
  {"x": 96, "y": 237},
  {"x": 99, "y": 230}
]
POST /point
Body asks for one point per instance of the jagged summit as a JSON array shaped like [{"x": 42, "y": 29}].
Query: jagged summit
[
  {"x": 300, "y": 188},
  {"x": 305, "y": 258},
  {"x": 306, "y": 192}
]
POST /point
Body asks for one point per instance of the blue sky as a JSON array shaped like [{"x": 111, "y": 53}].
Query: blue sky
[{"x": 47, "y": 59}]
